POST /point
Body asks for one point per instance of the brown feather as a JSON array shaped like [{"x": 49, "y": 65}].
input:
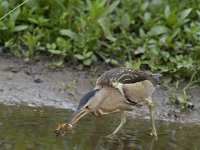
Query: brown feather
[{"x": 124, "y": 76}]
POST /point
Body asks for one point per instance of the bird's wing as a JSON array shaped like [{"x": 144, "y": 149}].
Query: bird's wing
[{"x": 122, "y": 75}]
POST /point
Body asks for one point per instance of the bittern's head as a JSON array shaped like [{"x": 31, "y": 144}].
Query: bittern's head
[{"x": 85, "y": 106}]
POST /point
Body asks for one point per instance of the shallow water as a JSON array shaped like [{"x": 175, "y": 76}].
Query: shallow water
[{"x": 30, "y": 128}]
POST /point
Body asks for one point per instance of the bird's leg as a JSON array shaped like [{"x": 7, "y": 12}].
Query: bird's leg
[
  {"x": 151, "y": 109},
  {"x": 123, "y": 121}
]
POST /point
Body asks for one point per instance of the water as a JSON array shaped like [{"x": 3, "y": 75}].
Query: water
[{"x": 30, "y": 128}]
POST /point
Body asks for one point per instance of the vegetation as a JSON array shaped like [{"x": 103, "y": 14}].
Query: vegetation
[
  {"x": 161, "y": 35},
  {"x": 180, "y": 96}
]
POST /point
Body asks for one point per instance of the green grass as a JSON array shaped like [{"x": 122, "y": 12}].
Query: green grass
[
  {"x": 179, "y": 95},
  {"x": 161, "y": 35}
]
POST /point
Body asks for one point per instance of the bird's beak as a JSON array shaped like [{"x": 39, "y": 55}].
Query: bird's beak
[
  {"x": 69, "y": 125},
  {"x": 78, "y": 115}
]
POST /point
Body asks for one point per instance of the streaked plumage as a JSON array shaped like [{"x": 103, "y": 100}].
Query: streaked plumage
[
  {"x": 116, "y": 90},
  {"x": 131, "y": 81},
  {"x": 124, "y": 76}
]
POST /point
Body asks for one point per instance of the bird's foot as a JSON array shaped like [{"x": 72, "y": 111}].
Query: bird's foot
[
  {"x": 112, "y": 137},
  {"x": 154, "y": 133},
  {"x": 62, "y": 128}
]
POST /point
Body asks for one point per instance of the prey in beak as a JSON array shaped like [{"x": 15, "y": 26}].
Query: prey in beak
[
  {"x": 80, "y": 112},
  {"x": 62, "y": 128}
]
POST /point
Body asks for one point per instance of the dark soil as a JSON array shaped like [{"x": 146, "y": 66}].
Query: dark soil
[{"x": 35, "y": 84}]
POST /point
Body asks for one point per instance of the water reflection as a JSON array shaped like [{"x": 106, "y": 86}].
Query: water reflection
[{"x": 27, "y": 128}]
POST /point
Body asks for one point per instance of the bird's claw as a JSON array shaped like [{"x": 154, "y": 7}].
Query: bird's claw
[
  {"x": 60, "y": 130},
  {"x": 153, "y": 133},
  {"x": 111, "y": 136}
]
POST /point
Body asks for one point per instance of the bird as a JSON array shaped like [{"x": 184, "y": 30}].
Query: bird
[{"x": 116, "y": 91}]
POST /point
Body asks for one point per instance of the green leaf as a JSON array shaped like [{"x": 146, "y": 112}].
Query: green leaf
[
  {"x": 198, "y": 13},
  {"x": 184, "y": 96},
  {"x": 167, "y": 79},
  {"x": 55, "y": 52},
  {"x": 89, "y": 3},
  {"x": 147, "y": 16},
  {"x": 144, "y": 6},
  {"x": 112, "y": 7},
  {"x": 167, "y": 11},
  {"x": 78, "y": 56},
  {"x": 105, "y": 25},
  {"x": 89, "y": 54},
  {"x": 111, "y": 61},
  {"x": 51, "y": 46},
  {"x": 114, "y": 62},
  {"x": 126, "y": 21},
  {"x": 14, "y": 15},
  {"x": 20, "y": 28},
  {"x": 58, "y": 63},
  {"x": 184, "y": 14},
  {"x": 141, "y": 32},
  {"x": 33, "y": 20},
  {"x": 137, "y": 64},
  {"x": 70, "y": 34},
  {"x": 87, "y": 62},
  {"x": 3, "y": 26},
  {"x": 158, "y": 29}
]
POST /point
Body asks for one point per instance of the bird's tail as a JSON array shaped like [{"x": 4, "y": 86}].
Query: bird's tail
[{"x": 156, "y": 75}]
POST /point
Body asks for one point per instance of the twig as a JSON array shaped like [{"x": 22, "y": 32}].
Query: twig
[{"x": 13, "y": 9}]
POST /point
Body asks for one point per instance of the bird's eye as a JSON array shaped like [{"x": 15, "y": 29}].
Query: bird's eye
[{"x": 86, "y": 107}]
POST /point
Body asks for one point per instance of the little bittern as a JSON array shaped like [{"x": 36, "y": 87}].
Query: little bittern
[{"x": 117, "y": 90}]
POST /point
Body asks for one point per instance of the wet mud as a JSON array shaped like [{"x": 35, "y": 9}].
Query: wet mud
[{"x": 36, "y": 84}]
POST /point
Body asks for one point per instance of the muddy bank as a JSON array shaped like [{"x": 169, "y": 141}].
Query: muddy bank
[{"x": 35, "y": 84}]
